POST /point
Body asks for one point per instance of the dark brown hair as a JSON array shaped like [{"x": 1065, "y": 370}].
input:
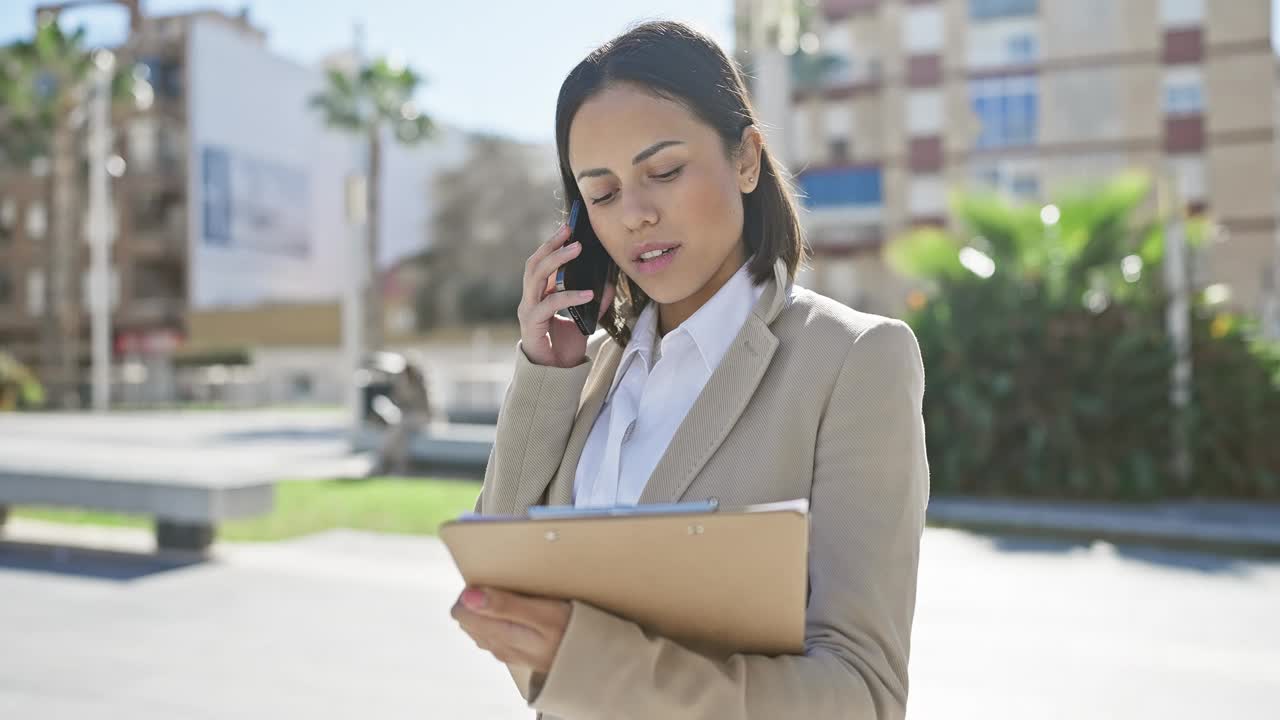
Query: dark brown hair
[{"x": 677, "y": 63}]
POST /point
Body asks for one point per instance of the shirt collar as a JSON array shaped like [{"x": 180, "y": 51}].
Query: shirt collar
[
  {"x": 712, "y": 327},
  {"x": 640, "y": 347}
]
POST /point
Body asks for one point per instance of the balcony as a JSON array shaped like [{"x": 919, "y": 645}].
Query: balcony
[
  {"x": 842, "y": 187},
  {"x": 833, "y": 77}
]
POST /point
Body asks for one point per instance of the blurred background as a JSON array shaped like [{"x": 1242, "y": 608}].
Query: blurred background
[{"x": 259, "y": 265}]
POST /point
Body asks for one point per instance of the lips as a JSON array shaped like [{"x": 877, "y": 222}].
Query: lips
[
  {"x": 656, "y": 264},
  {"x": 638, "y": 254}
]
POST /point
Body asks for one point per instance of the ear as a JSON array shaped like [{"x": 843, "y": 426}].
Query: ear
[{"x": 750, "y": 149}]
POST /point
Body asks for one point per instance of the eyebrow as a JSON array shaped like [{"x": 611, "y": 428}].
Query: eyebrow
[{"x": 639, "y": 158}]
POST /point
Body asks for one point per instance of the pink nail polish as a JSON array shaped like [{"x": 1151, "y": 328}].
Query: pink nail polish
[{"x": 473, "y": 598}]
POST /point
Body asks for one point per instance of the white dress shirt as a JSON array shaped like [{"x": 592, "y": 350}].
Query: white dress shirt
[{"x": 658, "y": 380}]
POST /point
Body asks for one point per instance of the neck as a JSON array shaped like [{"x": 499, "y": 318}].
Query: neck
[{"x": 670, "y": 315}]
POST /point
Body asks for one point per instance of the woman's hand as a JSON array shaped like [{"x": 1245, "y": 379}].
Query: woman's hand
[
  {"x": 518, "y": 629},
  {"x": 546, "y": 338}
]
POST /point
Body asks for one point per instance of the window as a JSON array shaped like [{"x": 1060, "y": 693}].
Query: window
[
  {"x": 927, "y": 195},
  {"x": 838, "y": 151},
  {"x": 1024, "y": 186},
  {"x": 35, "y": 293},
  {"x": 1178, "y": 13},
  {"x": 988, "y": 178},
  {"x": 1022, "y": 48},
  {"x": 924, "y": 30},
  {"x": 840, "y": 64},
  {"x": 164, "y": 75},
  {"x": 1017, "y": 178},
  {"x": 1013, "y": 41},
  {"x": 8, "y": 218},
  {"x": 1007, "y": 111},
  {"x": 989, "y": 9},
  {"x": 1183, "y": 91},
  {"x": 37, "y": 220},
  {"x": 1189, "y": 174},
  {"x": 157, "y": 280},
  {"x": 837, "y": 121},
  {"x": 301, "y": 386},
  {"x": 156, "y": 211},
  {"x": 924, "y": 112},
  {"x": 142, "y": 143}
]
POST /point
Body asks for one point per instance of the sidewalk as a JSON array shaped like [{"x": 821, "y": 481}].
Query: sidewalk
[{"x": 1207, "y": 525}]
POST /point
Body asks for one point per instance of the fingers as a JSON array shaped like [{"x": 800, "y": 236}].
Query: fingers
[
  {"x": 555, "y": 302},
  {"x": 547, "y": 266},
  {"x": 512, "y": 642},
  {"x": 537, "y": 613},
  {"x": 494, "y": 631},
  {"x": 533, "y": 282},
  {"x": 506, "y": 641}
]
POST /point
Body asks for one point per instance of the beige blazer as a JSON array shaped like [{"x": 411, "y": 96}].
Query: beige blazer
[{"x": 813, "y": 400}]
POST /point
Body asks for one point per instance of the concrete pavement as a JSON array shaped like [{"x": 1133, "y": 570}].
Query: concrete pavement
[{"x": 344, "y": 624}]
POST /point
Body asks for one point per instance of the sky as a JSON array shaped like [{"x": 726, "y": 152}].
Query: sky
[{"x": 492, "y": 65}]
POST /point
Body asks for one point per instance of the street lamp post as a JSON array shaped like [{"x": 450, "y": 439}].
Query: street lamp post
[
  {"x": 357, "y": 274},
  {"x": 353, "y": 300},
  {"x": 1177, "y": 322},
  {"x": 99, "y": 229}
]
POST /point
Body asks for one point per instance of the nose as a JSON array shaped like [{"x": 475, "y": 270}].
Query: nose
[{"x": 638, "y": 209}]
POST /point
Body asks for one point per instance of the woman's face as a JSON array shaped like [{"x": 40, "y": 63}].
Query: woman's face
[{"x": 655, "y": 177}]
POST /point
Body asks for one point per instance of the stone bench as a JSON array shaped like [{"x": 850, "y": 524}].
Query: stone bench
[
  {"x": 186, "y": 502},
  {"x": 450, "y": 445}
]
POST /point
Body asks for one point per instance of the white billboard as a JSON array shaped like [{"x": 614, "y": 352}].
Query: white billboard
[{"x": 266, "y": 177}]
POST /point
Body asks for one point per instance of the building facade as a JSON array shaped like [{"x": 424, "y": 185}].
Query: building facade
[
  {"x": 150, "y": 248},
  {"x": 914, "y": 98},
  {"x": 230, "y": 234}
]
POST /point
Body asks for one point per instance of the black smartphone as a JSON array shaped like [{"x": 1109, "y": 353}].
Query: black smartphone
[{"x": 590, "y": 270}]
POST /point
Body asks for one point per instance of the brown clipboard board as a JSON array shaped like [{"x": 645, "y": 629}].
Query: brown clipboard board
[{"x": 721, "y": 582}]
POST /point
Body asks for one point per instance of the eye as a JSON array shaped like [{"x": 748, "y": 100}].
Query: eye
[
  {"x": 669, "y": 175},
  {"x": 597, "y": 201}
]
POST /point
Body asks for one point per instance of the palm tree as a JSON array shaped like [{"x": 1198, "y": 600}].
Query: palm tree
[
  {"x": 44, "y": 84},
  {"x": 377, "y": 97}
]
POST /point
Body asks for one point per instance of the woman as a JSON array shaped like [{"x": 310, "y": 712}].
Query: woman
[{"x": 717, "y": 378}]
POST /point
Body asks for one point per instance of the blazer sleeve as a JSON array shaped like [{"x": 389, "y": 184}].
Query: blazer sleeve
[
  {"x": 534, "y": 422},
  {"x": 870, "y": 490}
]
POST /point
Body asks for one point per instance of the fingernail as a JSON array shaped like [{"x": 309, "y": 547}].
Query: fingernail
[
  {"x": 586, "y": 294},
  {"x": 473, "y": 598},
  {"x": 573, "y": 246}
]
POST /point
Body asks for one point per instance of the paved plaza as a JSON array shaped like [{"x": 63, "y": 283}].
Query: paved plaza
[{"x": 346, "y": 625}]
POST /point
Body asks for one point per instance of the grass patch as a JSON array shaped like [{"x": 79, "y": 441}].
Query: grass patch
[{"x": 410, "y": 506}]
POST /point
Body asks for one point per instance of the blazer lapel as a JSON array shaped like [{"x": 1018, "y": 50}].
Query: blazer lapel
[
  {"x": 606, "y": 365},
  {"x": 722, "y": 400}
]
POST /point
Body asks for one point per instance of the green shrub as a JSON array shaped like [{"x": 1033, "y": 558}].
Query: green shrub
[{"x": 1048, "y": 364}]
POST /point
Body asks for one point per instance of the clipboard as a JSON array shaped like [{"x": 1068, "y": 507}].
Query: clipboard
[{"x": 719, "y": 581}]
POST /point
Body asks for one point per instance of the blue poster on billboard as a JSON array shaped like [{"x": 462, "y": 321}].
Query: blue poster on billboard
[{"x": 253, "y": 204}]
